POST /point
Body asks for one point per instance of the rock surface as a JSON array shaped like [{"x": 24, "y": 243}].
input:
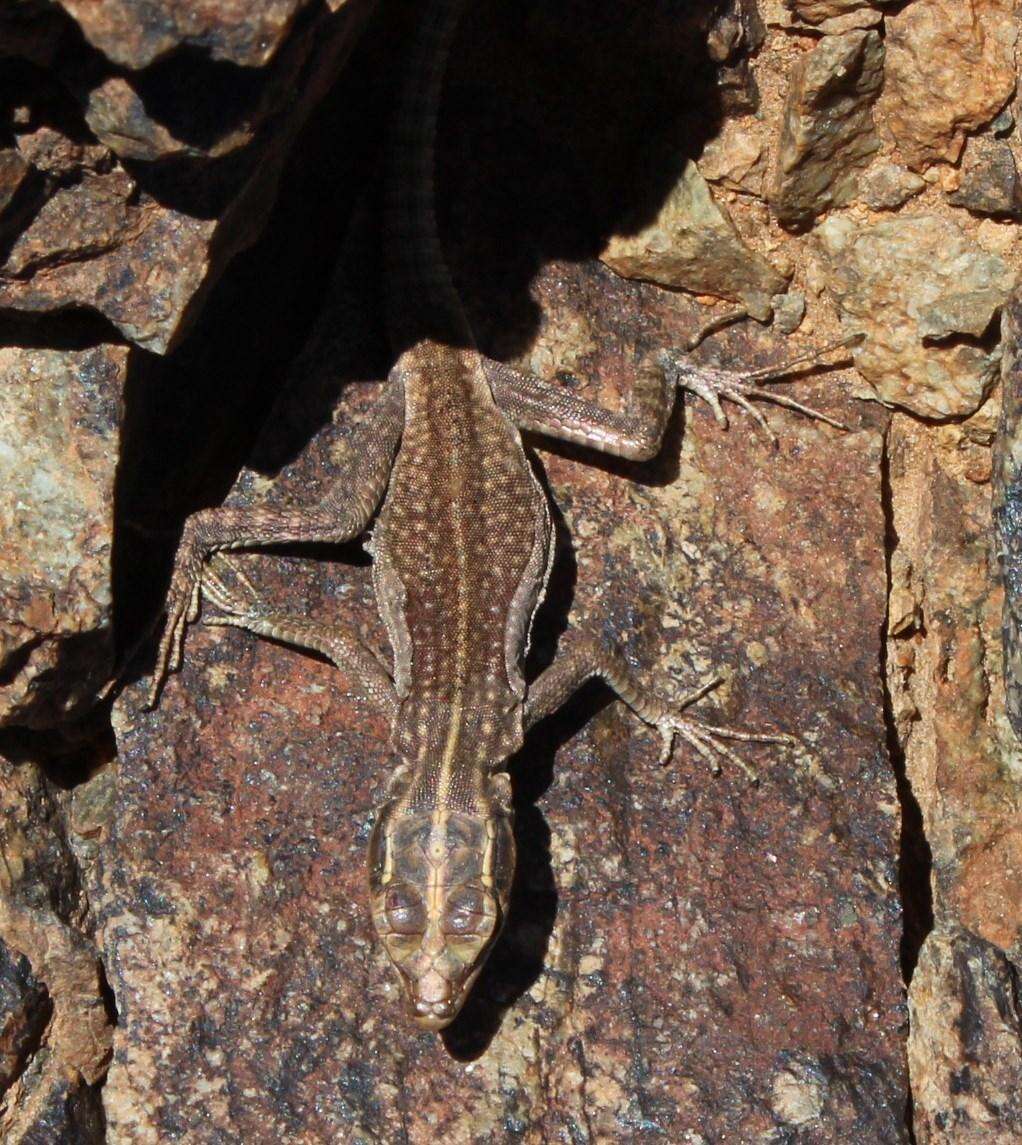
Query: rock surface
[
  {"x": 828, "y": 134},
  {"x": 915, "y": 286},
  {"x": 963, "y": 766},
  {"x": 693, "y": 245},
  {"x": 950, "y": 70},
  {"x": 59, "y": 415},
  {"x": 688, "y": 958},
  {"x": 832, "y": 17},
  {"x": 134, "y": 35},
  {"x": 885, "y": 186},
  {"x": 58, "y": 1047},
  {"x": 141, "y": 249},
  {"x": 990, "y": 182}
]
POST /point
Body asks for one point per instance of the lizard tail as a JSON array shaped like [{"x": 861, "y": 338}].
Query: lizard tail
[{"x": 422, "y": 301}]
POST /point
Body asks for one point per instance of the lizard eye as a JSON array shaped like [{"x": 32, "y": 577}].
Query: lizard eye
[
  {"x": 405, "y": 911},
  {"x": 467, "y": 912}
]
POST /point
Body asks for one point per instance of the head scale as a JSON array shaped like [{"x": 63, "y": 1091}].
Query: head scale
[{"x": 440, "y": 881}]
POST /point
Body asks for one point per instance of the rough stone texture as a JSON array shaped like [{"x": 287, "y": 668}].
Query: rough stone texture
[
  {"x": 59, "y": 1048},
  {"x": 829, "y": 17},
  {"x": 990, "y": 183},
  {"x": 915, "y": 286},
  {"x": 963, "y": 766},
  {"x": 736, "y": 157},
  {"x": 13, "y": 170},
  {"x": 693, "y": 245},
  {"x": 58, "y": 452},
  {"x": 689, "y": 959},
  {"x": 950, "y": 69},
  {"x": 687, "y": 955},
  {"x": 885, "y": 186},
  {"x": 133, "y": 33},
  {"x": 964, "y": 1057},
  {"x": 141, "y": 249},
  {"x": 1007, "y": 503},
  {"x": 828, "y": 134}
]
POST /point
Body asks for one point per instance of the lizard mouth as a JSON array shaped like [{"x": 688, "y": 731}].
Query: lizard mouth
[
  {"x": 434, "y": 1015},
  {"x": 435, "y": 1001}
]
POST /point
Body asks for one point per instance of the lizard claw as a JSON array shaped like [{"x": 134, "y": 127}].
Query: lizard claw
[
  {"x": 708, "y": 741},
  {"x": 715, "y": 386}
]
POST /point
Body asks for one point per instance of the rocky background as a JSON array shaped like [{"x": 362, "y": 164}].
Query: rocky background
[{"x": 190, "y": 311}]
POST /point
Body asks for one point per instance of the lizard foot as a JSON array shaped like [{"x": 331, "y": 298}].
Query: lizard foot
[
  {"x": 743, "y": 387},
  {"x": 708, "y": 739},
  {"x": 183, "y": 598}
]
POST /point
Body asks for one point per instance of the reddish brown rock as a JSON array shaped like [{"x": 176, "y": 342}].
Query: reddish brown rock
[
  {"x": 133, "y": 34},
  {"x": 59, "y": 414},
  {"x": 950, "y": 69},
  {"x": 687, "y": 955}
]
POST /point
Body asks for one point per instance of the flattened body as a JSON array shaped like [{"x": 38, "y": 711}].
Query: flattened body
[{"x": 460, "y": 557}]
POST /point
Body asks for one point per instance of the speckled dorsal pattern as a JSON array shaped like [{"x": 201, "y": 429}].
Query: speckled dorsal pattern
[{"x": 459, "y": 557}]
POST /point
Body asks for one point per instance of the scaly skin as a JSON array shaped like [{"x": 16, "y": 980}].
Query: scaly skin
[{"x": 460, "y": 560}]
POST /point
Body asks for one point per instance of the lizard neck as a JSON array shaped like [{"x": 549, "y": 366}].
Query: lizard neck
[
  {"x": 452, "y": 748},
  {"x": 422, "y": 301}
]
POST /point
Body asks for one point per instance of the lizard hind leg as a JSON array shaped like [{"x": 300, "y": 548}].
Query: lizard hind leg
[{"x": 582, "y": 658}]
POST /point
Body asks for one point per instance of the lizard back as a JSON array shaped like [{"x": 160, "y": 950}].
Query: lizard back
[{"x": 460, "y": 554}]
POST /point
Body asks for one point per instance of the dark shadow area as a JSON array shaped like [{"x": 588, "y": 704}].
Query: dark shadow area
[
  {"x": 519, "y": 955},
  {"x": 915, "y": 861},
  {"x": 538, "y": 160}
]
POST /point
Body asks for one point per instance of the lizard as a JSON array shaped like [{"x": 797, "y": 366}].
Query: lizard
[{"x": 461, "y": 549}]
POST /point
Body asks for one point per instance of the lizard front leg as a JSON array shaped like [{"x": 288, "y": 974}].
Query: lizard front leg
[
  {"x": 582, "y": 658},
  {"x": 224, "y": 583},
  {"x": 342, "y": 515},
  {"x": 636, "y": 432}
]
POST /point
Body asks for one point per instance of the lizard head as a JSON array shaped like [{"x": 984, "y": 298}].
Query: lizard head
[{"x": 439, "y": 883}]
